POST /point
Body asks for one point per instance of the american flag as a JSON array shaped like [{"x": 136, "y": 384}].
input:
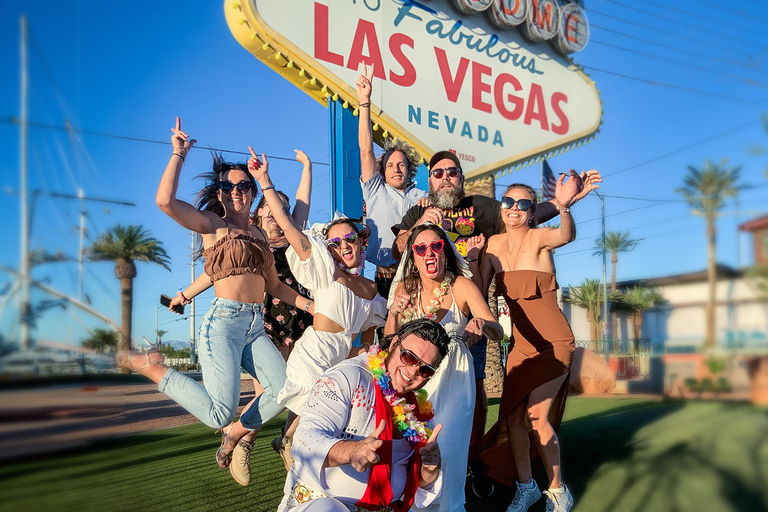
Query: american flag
[{"x": 548, "y": 181}]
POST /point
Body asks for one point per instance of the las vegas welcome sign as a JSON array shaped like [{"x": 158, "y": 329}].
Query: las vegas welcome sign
[{"x": 489, "y": 79}]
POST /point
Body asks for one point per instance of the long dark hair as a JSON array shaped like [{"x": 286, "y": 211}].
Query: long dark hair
[
  {"x": 208, "y": 197},
  {"x": 426, "y": 329},
  {"x": 411, "y": 279},
  {"x": 534, "y": 201}
]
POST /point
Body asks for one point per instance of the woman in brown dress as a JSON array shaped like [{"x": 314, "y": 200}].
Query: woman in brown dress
[{"x": 535, "y": 386}]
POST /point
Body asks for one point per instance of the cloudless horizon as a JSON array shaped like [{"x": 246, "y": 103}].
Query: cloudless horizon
[{"x": 120, "y": 76}]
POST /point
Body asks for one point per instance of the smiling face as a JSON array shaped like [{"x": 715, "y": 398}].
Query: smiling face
[
  {"x": 396, "y": 171},
  {"x": 514, "y": 218},
  {"x": 432, "y": 264},
  {"x": 235, "y": 201},
  {"x": 348, "y": 254},
  {"x": 446, "y": 192},
  {"x": 404, "y": 377}
]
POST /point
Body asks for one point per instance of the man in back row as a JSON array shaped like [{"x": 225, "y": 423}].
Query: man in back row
[
  {"x": 388, "y": 187},
  {"x": 465, "y": 217}
]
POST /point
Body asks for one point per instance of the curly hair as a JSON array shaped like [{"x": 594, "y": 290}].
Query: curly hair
[
  {"x": 426, "y": 329},
  {"x": 534, "y": 201},
  {"x": 411, "y": 156},
  {"x": 411, "y": 279}
]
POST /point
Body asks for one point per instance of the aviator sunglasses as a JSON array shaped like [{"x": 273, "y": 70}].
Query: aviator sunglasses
[
  {"x": 522, "y": 204},
  {"x": 410, "y": 359},
  {"x": 436, "y": 246},
  {"x": 227, "y": 186},
  {"x": 333, "y": 243},
  {"x": 452, "y": 172}
]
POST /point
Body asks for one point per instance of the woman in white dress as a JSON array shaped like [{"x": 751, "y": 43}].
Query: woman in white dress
[
  {"x": 434, "y": 282},
  {"x": 346, "y": 303}
]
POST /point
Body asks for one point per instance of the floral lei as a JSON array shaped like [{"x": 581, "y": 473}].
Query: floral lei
[
  {"x": 434, "y": 305},
  {"x": 415, "y": 426}
]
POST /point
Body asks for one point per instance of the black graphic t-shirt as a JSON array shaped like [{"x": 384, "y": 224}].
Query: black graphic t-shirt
[
  {"x": 472, "y": 216},
  {"x": 283, "y": 323}
]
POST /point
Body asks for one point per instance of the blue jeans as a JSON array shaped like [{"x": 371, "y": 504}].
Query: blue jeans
[{"x": 231, "y": 335}]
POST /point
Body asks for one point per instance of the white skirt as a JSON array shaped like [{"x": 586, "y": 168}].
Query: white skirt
[
  {"x": 452, "y": 393},
  {"x": 315, "y": 353}
]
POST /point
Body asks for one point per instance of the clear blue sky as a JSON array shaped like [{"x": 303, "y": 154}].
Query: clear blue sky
[{"x": 129, "y": 71}]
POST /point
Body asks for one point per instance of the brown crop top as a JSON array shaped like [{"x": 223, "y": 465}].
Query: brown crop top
[{"x": 237, "y": 254}]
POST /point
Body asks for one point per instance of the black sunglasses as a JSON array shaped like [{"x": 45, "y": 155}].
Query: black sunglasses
[
  {"x": 522, "y": 204},
  {"x": 227, "y": 186},
  {"x": 410, "y": 359},
  {"x": 333, "y": 243},
  {"x": 452, "y": 172}
]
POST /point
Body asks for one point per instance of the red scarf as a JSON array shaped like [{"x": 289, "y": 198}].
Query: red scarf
[{"x": 378, "y": 494}]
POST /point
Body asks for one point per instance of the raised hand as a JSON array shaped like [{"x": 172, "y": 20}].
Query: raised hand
[
  {"x": 430, "y": 453},
  {"x": 301, "y": 157},
  {"x": 180, "y": 140},
  {"x": 566, "y": 191},
  {"x": 364, "y": 455},
  {"x": 364, "y": 85},
  {"x": 475, "y": 244},
  {"x": 473, "y": 331},
  {"x": 423, "y": 202},
  {"x": 591, "y": 180},
  {"x": 259, "y": 169}
]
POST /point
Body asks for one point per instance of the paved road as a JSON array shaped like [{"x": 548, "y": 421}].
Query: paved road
[{"x": 46, "y": 420}]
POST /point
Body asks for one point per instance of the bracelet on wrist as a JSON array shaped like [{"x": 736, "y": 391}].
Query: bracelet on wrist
[
  {"x": 565, "y": 210},
  {"x": 366, "y": 104},
  {"x": 470, "y": 260},
  {"x": 184, "y": 298},
  {"x": 268, "y": 187},
  {"x": 309, "y": 303},
  {"x": 178, "y": 154}
]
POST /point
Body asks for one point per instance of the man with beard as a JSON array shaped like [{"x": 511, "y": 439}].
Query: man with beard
[
  {"x": 464, "y": 218},
  {"x": 388, "y": 187},
  {"x": 366, "y": 439}
]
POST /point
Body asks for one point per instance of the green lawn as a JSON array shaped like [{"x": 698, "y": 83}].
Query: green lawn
[{"x": 618, "y": 455}]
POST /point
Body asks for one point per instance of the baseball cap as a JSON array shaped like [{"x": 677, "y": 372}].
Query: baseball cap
[{"x": 440, "y": 155}]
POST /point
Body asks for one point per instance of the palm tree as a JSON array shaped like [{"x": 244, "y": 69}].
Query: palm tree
[
  {"x": 101, "y": 340},
  {"x": 706, "y": 190},
  {"x": 589, "y": 296},
  {"x": 615, "y": 242},
  {"x": 124, "y": 245},
  {"x": 637, "y": 300},
  {"x": 160, "y": 333}
]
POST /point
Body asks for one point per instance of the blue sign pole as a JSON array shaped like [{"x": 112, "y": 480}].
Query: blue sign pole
[{"x": 346, "y": 194}]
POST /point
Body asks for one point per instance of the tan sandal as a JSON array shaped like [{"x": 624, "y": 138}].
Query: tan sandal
[
  {"x": 124, "y": 360},
  {"x": 224, "y": 458}
]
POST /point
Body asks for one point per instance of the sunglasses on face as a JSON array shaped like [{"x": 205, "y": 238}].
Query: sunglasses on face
[
  {"x": 227, "y": 186},
  {"x": 436, "y": 246},
  {"x": 408, "y": 358},
  {"x": 334, "y": 243},
  {"x": 522, "y": 204},
  {"x": 452, "y": 172}
]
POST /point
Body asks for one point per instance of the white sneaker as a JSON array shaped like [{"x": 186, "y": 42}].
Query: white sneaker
[
  {"x": 559, "y": 501},
  {"x": 525, "y": 496}
]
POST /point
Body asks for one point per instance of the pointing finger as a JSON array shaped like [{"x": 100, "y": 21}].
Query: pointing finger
[
  {"x": 178, "y": 123},
  {"x": 253, "y": 153}
]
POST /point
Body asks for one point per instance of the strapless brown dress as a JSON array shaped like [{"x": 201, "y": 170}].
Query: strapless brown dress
[{"x": 541, "y": 350}]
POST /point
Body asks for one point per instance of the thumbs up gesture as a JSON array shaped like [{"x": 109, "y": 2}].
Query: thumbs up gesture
[
  {"x": 430, "y": 458},
  {"x": 364, "y": 454}
]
